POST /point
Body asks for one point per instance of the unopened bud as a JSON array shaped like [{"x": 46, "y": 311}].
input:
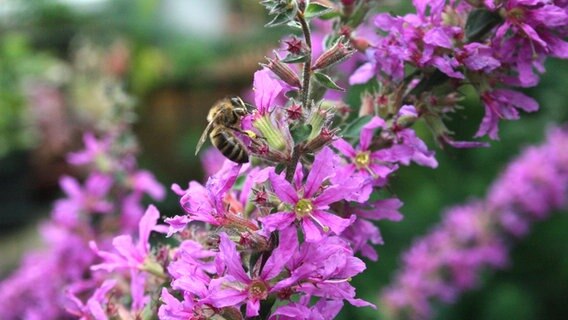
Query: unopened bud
[
  {"x": 260, "y": 197},
  {"x": 324, "y": 138},
  {"x": 295, "y": 46},
  {"x": 283, "y": 71},
  {"x": 348, "y": 7},
  {"x": 294, "y": 112},
  {"x": 360, "y": 44},
  {"x": 339, "y": 52},
  {"x": 230, "y": 313},
  {"x": 407, "y": 116},
  {"x": 253, "y": 241},
  {"x": 317, "y": 121},
  {"x": 153, "y": 268},
  {"x": 368, "y": 107}
]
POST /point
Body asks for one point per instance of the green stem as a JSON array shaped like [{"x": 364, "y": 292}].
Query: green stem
[{"x": 307, "y": 70}]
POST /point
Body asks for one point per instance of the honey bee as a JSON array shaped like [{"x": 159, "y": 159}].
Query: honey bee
[{"x": 224, "y": 120}]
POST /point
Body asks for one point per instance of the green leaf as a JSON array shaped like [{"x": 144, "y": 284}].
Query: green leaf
[
  {"x": 279, "y": 168},
  {"x": 315, "y": 10},
  {"x": 301, "y": 132},
  {"x": 317, "y": 91},
  {"x": 279, "y": 20},
  {"x": 330, "y": 15},
  {"x": 294, "y": 24},
  {"x": 292, "y": 94},
  {"x": 353, "y": 129},
  {"x": 479, "y": 23},
  {"x": 330, "y": 40},
  {"x": 294, "y": 58},
  {"x": 266, "y": 306},
  {"x": 359, "y": 15},
  {"x": 326, "y": 81}
]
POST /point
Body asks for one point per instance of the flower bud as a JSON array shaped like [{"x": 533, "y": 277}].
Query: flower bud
[
  {"x": 348, "y": 6},
  {"x": 324, "y": 138},
  {"x": 295, "y": 46},
  {"x": 231, "y": 313},
  {"x": 253, "y": 241},
  {"x": 153, "y": 268},
  {"x": 360, "y": 44},
  {"x": 317, "y": 121},
  {"x": 294, "y": 111},
  {"x": 368, "y": 106},
  {"x": 283, "y": 71},
  {"x": 406, "y": 117},
  {"x": 339, "y": 52}
]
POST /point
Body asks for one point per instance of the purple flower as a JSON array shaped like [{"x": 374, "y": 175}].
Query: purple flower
[
  {"x": 91, "y": 198},
  {"x": 367, "y": 164},
  {"x": 191, "y": 268},
  {"x": 536, "y": 20},
  {"x": 362, "y": 234},
  {"x": 95, "y": 308},
  {"x": 143, "y": 181},
  {"x": 212, "y": 161},
  {"x": 478, "y": 57},
  {"x": 236, "y": 286},
  {"x": 322, "y": 310},
  {"x": 95, "y": 150},
  {"x": 308, "y": 203},
  {"x": 323, "y": 269},
  {"x": 266, "y": 90},
  {"x": 474, "y": 237},
  {"x": 211, "y": 203},
  {"x": 502, "y": 104},
  {"x": 129, "y": 255},
  {"x": 173, "y": 309}
]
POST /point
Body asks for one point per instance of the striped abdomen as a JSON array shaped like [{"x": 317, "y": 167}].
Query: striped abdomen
[{"x": 229, "y": 144}]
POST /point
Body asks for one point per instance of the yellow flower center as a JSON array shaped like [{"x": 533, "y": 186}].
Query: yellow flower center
[
  {"x": 303, "y": 208},
  {"x": 517, "y": 14},
  {"x": 258, "y": 290},
  {"x": 362, "y": 159}
]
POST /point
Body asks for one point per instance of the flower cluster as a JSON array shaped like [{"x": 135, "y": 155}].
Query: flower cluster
[
  {"x": 277, "y": 238},
  {"x": 54, "y": 282},
  {"x": 489, "y": 45},
  {"x": 475, "y": 236}
]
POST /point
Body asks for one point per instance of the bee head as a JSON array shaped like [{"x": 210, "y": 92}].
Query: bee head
[{"x": 237, "y": 102}]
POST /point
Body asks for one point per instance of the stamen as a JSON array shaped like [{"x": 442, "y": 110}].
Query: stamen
[
  {"x": 338, "y": 280},
  {"x": 324, "y": 227},
  {"x": 362, "y": 159},
  {"x": 303, "y": 208}
]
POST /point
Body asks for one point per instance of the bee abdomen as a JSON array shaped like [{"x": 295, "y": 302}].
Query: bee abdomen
[{"x": 229, "y": 145}]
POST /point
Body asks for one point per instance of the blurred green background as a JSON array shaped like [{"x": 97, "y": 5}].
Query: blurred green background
[{"x": 176, "y": 57}]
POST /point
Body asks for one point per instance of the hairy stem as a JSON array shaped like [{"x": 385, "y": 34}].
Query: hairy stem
[
  {"x": 291, "y": 167},
  {"x": 307, "y": 71},
  {"x": 305, "y": 96}
]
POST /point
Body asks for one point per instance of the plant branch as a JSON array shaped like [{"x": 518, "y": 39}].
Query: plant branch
[
  {"x": 307, "y": 72},
  {"x": 305, "y": 96}
]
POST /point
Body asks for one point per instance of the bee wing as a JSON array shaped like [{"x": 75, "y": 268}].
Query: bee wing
[{"x": 203, "y": 137}]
